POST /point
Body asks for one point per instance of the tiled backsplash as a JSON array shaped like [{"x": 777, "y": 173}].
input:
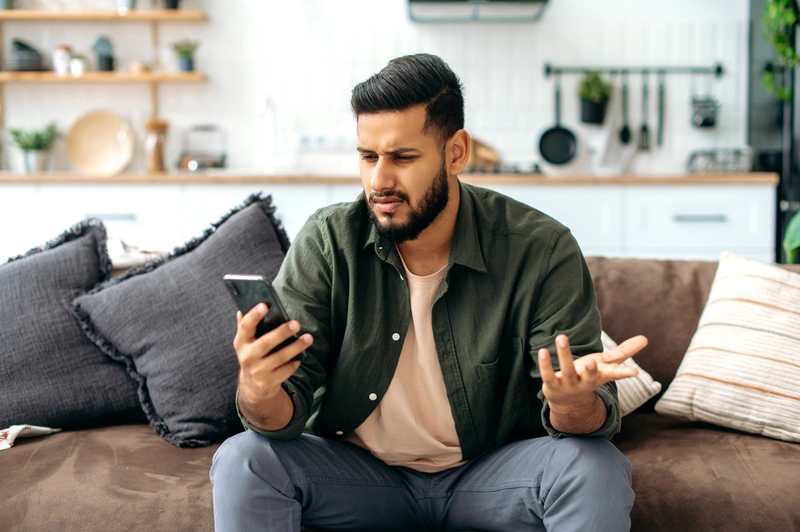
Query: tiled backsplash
[{"x": 305, "y": 56}]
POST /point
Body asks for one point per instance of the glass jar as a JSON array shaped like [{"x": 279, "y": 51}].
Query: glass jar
[{"x": 155, "y": 144}]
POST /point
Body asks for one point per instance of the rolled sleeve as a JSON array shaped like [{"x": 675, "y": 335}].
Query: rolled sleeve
[
  {"x": 608, "y": 393},
  {"x": 295, "y": 427}
]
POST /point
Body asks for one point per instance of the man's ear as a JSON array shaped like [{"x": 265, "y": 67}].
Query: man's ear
[{"x": 457, "y": 152}]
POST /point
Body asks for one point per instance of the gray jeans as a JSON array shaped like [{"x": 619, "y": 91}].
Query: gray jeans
[{"x": 569, "y": 484}]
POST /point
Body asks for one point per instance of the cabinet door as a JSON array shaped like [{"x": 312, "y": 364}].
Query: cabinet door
[
  {"x": 147, "y": 216},
  {"x": 593, "y": 214},
  {"x": 700, "y": 222},
  {"x": 23, "y": 220},
  {"x": 206, "y": 204}
]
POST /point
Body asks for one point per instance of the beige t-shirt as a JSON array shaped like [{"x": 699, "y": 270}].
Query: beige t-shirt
[{"x": 413, "y": 425}]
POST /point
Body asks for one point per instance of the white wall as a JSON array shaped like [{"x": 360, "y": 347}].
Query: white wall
[{"x": 307, "y": 55}]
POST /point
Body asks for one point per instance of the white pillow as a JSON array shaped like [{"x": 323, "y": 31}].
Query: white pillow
[
  {"x": 742, "y": 368},
  {"x": 633, "y": 391}
]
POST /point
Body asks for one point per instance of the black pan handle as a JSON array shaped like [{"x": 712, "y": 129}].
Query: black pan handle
[{"x": 558, "y": 100}]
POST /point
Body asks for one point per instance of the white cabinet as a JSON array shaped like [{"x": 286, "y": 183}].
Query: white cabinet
[
  {"x": 691, "y": 221},
  {"x": 149, "y": 217},
  {"x": 700, "y": 222}
]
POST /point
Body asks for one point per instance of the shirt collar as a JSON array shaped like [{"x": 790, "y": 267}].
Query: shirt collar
[{"x": 466, "y": 248}]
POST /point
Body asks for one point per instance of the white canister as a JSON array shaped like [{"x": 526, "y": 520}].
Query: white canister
[
  {"x": 77, "y": 66},
  {"x": 61, "y": 59}
]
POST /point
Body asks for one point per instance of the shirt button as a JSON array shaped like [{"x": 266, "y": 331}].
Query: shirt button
[
  {"x": 339, "y": 432},
  {"x": 373, "y": 396},
  {"x": 396, "y": 336}
]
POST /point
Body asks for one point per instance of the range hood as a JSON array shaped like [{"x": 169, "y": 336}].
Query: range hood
[{"x": 476, "y": 10}]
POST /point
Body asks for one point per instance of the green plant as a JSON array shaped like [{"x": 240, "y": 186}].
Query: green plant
[
  {"x": 185, "y": 48},
  {"x": 594, "y": 88},
  {"x": 778, "y": 23},
  {"x": 791, "y": 239},
  {"x": 35, "y": 139}
]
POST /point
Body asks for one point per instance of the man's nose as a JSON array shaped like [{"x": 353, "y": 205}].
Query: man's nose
[{"x": 383, "y": 177}]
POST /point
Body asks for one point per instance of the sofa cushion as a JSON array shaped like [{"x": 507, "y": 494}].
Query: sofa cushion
[
  {"x": 634, "y": 391},
  {"x": 172, "y": 322},
  {"x": 690, "y": 475},
  {"x": 50, "y": 373},
  {"x": 742, "y": 367}
]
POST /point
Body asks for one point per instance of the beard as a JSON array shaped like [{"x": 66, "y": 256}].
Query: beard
[{"x": 430, "y": 206}]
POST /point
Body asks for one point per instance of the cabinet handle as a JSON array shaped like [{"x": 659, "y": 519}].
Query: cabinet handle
[
  {"x": 700, "y": 218},
  {"x": 114, "y": 216}
]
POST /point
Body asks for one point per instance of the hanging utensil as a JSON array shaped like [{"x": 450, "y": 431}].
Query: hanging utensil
[
  {"x": 660, "y": 135},
  {"x": 644, "y": 134},
  {"x": 558, "y": 145},
  {"x": 625, "y": 132}
]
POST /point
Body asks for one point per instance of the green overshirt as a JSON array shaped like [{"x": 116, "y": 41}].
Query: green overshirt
[{"x": 515, "y": 279}]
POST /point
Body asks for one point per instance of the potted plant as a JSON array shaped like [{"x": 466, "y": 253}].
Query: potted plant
[
  {"x": 594, "y": 93},
  {"x": 778, "y": 24},
  {"x": 185, "y": 50},
  {"x": 35, "y": 146}
]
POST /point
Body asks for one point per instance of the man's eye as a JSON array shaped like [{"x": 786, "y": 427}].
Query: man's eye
[
  {"x": 368, "y": 157},
  {"x": 404, "y": 157}
]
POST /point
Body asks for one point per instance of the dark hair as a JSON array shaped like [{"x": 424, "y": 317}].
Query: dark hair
[{"x": 419, "y": 79}]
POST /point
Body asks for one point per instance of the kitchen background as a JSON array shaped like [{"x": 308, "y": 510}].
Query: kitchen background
[{"x": 280, "y": 75}]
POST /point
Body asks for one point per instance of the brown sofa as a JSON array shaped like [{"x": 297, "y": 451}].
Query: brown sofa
[{"x": 687, "y": 476}]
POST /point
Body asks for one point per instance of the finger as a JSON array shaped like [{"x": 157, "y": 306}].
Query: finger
[
  {"x": 565, "y": 360},
  {"x": 617, "y": 372},
  {"x": 625, "y": 350},
  {"x": 250, "y": 321},
  {"x": 272, "y": 339},
  {"x": 546, "y": 368}
]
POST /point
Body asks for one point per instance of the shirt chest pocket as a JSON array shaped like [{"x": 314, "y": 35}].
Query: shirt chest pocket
[{"x": 510, "y": 358}]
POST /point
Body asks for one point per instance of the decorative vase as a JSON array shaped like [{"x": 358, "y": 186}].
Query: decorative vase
[
  {"x": 172, "y": 4},
  {"x": 123, "y": 6},
  {"x": 4, "y": 4},
  {"x": 36, "y": 160},
  {"x": 186, "y": 64},
  {"x": 592, "y": 112}
]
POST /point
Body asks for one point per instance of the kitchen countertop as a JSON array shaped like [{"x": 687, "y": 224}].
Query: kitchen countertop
[{"x": 244, "y": 178}]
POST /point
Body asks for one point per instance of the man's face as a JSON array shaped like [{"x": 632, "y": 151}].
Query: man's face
[{"x": 403, "y": 172}]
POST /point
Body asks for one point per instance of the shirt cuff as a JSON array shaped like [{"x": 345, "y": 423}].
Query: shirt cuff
[
  {"x": 608, "y": 393},
  {"x": 290, "y": 431}
]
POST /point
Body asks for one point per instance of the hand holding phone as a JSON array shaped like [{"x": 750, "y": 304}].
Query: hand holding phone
[
  {"x": 250, "y": 290},
  {"x": 268, "y": 349}
]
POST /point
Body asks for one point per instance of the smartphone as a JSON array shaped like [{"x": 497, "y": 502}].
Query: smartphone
[{"x": 250, "y": 290}]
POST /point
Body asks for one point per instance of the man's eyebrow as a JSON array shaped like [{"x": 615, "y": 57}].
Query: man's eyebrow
[{"x": 395, "y": 151}]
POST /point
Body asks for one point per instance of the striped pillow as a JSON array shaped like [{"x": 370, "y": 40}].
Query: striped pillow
[
  {"x": 742, "y": 368},
  {"x": 633, "y": 391}
]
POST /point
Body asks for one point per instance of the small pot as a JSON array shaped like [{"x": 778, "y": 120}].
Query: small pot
[
  {"x": 593, "y": 112},
  {"x": 105, "y": 63},
  {"x": 186, "y": 64},
  {"x": 172, "y": 4},
  {"x": 36, "y": 160}
]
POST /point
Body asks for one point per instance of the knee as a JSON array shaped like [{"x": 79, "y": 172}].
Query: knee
[
  {"x": 238, "y": 454},
  {"x": 592, "y": 457}
]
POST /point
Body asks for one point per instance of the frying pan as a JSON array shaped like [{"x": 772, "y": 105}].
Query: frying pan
[{"x": 558, "y": 145}]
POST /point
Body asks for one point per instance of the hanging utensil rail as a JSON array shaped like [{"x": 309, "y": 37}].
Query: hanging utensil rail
[{"x": 717, "y": 70}]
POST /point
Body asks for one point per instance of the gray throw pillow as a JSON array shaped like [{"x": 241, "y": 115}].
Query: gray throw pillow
[
  {"x": 172, "y": 322},
  {"x": 50, "y": 373}
]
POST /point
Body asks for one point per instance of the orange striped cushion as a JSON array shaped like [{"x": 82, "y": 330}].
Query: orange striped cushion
[{"x": 742, "y": 368}]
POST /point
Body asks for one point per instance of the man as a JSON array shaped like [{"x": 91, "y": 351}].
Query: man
[{"x": 435, "y": 314}]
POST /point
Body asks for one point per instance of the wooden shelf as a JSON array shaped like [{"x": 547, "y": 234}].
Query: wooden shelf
[
  {"x": 100, "y": 77},
  {"x": 232, "y": 177},
  {"x": 134, "y": 15}
]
